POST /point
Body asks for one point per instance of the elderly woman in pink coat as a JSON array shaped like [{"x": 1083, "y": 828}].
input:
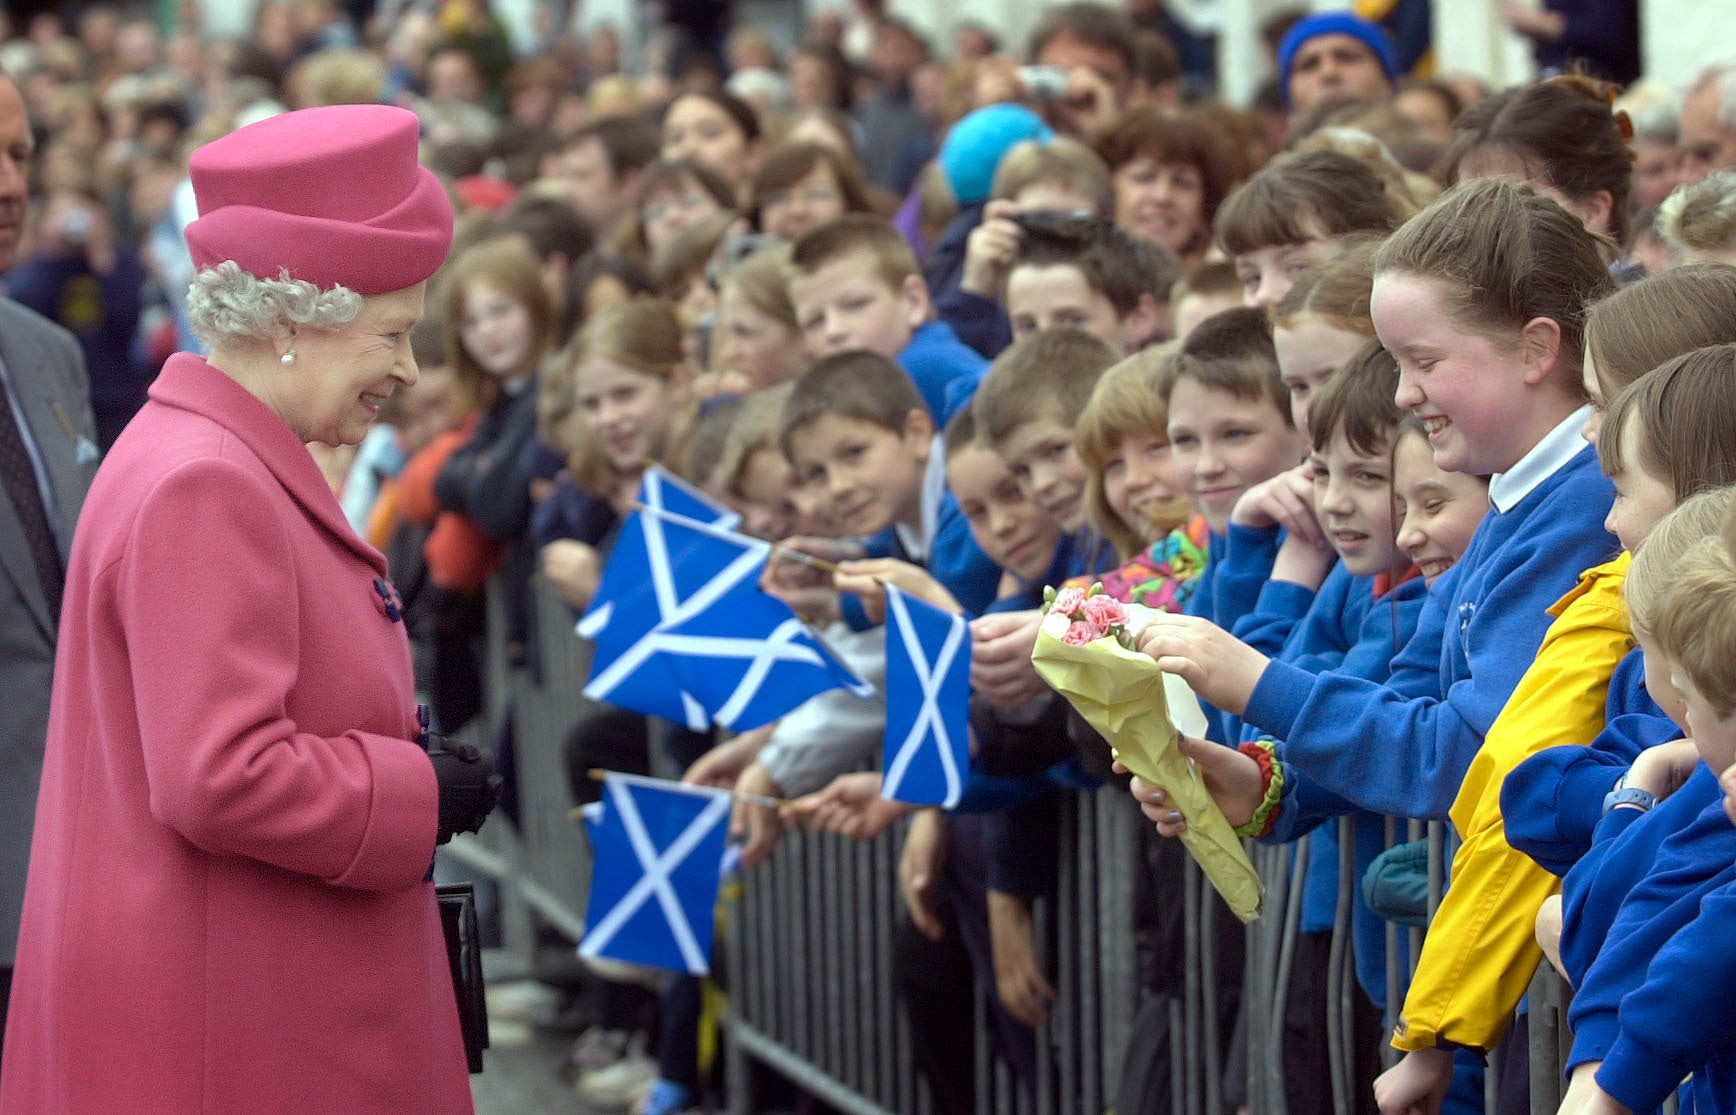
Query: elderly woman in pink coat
[{"x": 226, "y": 909}]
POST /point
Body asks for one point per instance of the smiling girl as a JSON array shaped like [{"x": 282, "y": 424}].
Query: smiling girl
[{"x": 630, "y": 383}]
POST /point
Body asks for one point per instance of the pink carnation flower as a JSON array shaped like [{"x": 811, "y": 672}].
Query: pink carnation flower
[
  {"x": 1080, "y": 634},
  {"x": 1068, "y": 601},
  {"x": 1105, "y": 612}
]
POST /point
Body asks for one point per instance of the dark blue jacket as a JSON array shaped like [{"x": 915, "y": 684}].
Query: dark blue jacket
[{"x": 1644, "y": 1004}]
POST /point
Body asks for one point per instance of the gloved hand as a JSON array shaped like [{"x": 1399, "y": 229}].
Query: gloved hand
[{"x": 469, "y": 785}]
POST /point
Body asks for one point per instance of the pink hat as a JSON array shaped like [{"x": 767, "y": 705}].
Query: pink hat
[{"x": 333, "y": 195}]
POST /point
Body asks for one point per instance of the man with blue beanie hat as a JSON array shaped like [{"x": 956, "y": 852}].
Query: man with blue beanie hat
[{"x": 1335, "y": 56}]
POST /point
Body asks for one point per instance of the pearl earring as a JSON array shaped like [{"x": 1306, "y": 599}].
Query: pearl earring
[{"x": 286, "y": 359}]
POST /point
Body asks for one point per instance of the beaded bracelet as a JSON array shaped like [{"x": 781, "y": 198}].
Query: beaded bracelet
[{"x": 1272, "y": 774}]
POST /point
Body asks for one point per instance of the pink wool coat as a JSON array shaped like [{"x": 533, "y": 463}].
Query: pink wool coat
[{"x": 226, "y": 910}]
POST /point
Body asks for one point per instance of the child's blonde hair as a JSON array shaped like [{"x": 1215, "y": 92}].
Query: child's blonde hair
[
  {"x": 1695, "y": 622},
  {"x": 1700, "y": 516},
  {"x": 754, "y": 429},
  {"x": 1701, "y": 217},
  {"x": 856, "y": 235},
  {"x": 1129, "y": 396},
  {"x": 1060, "y": 162}
]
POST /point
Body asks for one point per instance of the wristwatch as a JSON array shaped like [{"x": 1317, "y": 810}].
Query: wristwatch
[{"x": 1630, "y": 797}]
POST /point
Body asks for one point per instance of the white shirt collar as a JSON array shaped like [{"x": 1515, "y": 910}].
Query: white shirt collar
[
  {"x": 917, "y": 541},
  {"x": 1559, "y": 446}
]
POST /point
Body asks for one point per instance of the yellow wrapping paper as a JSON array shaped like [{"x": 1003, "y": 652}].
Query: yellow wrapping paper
[{"x": 1123, "y": 695}]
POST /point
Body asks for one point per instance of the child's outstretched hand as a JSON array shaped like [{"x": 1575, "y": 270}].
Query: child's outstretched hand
[
  {"x": 850, "y": 806},
  {"x": 1286, "y": 500},
  {"x": 868, "y": 578},
  {"x": 1232, "y": 778},
  {"x": 806, "y": 588},
  {"x": 1585, "y": 1097},
  {"x": 1000, "y": 657},
  {"x": 1019, "y": 981},
  {"x": 1218, "y": 666}
]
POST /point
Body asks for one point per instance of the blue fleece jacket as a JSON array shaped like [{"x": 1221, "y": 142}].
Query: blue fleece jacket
[
  {"x": 944, "y": 368},
  {"x": 980, "y": 322},
  {"x": 1382, "y": 624},
  {"x": 1223, "y": 598},
  {"x": 1552, "y": 802},
  {"x": 1402, "y": 747},
  {"x": 1645, "y": 1005},
  {"x": 1682, "y": 1019}
]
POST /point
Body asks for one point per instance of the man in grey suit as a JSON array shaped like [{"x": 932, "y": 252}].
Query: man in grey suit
[{"x": 47, "y": 458}]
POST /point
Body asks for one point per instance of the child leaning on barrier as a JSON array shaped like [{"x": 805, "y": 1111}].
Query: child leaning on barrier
[
  {"x": 1665, "y": 437},
  {"x": 1480, "y": 299},
  {"x": 1025, "y": 411},
  {"x": 1476, "y": 965},
  {"x": 1653, "y": 1003}
]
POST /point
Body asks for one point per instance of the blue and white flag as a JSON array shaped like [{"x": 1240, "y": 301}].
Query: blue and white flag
[
  {"x": 927, "y": 747},
  {"x": 658, "y": 491},
  {"x": 707, "y": 645},
  {"x": 657, "y": 852}
]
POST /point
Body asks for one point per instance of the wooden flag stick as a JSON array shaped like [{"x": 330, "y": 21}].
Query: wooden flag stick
[
  {"x": 598, "y": 774},
  {"x": 728, "y": 535}
]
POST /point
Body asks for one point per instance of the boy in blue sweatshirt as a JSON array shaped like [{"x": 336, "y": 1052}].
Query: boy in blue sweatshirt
[
  {"x": 1645, "y": 923},
  {"x": 855, "y": 285},
  {"x": 1232, "y": 434},
  {"x": 1488, "y": 342}
]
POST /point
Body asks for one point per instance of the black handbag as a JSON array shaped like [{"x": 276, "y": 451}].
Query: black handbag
[{"x": 464, "y": 954}]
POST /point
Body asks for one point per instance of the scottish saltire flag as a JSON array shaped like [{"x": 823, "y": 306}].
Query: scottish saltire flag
[
  {"x": 657, "y": 851},
  {"x": 927, "y": 747},
  {"x": 716, "y": 649},
  {"x": 641, "y": 588},
  {"x": 659, "y": 491}
]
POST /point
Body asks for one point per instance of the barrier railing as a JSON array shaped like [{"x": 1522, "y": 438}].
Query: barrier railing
[{"x": 808, "y": 947}]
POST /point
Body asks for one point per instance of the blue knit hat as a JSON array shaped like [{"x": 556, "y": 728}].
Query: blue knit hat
[
  {"x": 1368, "y": 34},
  {"x": 974, "y": 147}
]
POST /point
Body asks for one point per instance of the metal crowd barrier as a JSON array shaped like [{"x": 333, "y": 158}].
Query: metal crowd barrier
[{"x": 808, "y": 947}]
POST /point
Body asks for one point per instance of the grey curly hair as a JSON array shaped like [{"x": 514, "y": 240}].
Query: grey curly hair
[{"x": 226, "y": 304}]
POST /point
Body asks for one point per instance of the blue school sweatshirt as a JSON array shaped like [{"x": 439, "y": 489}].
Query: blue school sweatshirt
[
  {"x": 944, "y": 368},
  {"x": 1552, "y": 802},
  {"x": 1682, "y": 1019},
  {"x": 1637, "y": 995},
  {"x": 1384, "y": 622},
  {"x": 1402, "y": 748},
  {"x": 1215, "y": 598}
]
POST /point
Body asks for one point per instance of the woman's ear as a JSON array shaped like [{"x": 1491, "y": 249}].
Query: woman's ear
[
  {"x": 283, "y": 338},
  {"x": 1540, "y": 350}
]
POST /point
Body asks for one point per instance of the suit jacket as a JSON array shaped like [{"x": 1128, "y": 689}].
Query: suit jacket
[
  {"x": 227, "y": 909},
  {"x": 47, "y": 371}
]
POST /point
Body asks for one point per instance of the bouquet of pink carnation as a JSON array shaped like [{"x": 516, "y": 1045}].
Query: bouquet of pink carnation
[
  {"x": 1091, "y": 614},
  {"x": 1085, "y": 652}
]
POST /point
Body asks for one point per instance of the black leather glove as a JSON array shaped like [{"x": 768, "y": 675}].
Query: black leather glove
[{"x": 469, "y": 785}]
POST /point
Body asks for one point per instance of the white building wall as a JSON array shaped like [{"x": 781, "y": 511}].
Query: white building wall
[{"x": 1680, "y": 36}]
